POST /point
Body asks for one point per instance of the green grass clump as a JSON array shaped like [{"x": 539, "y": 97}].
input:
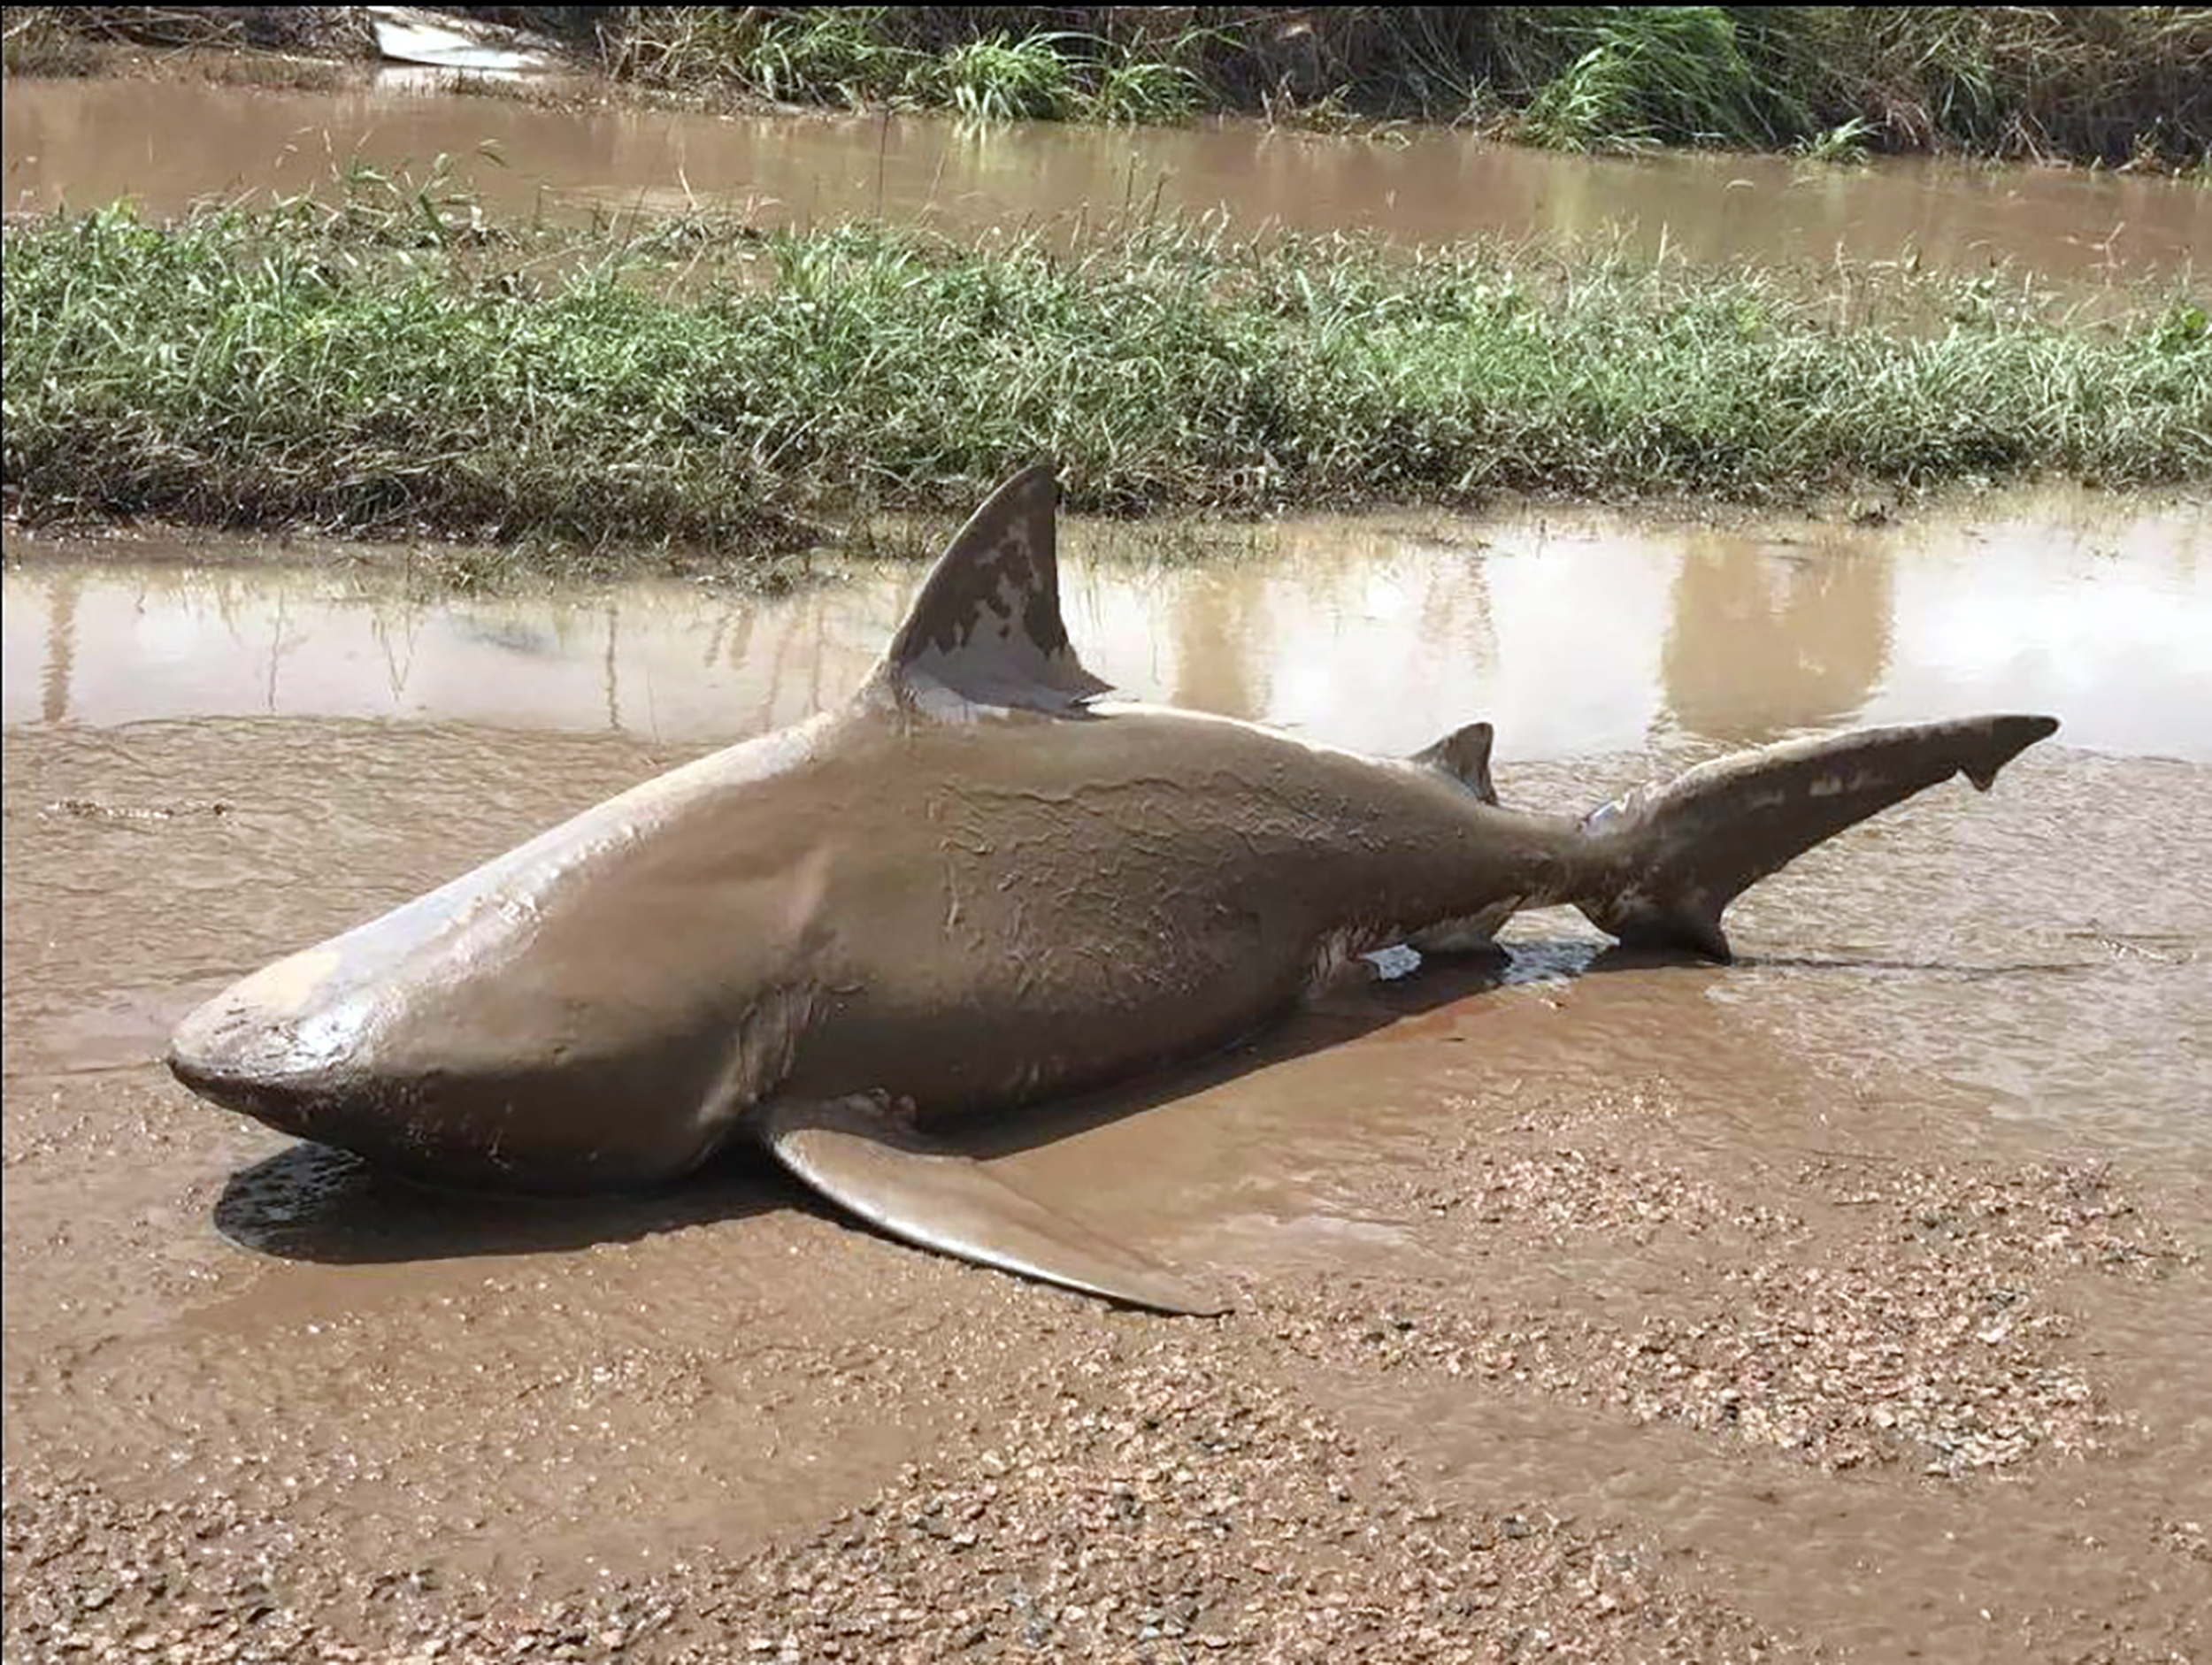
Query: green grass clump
[
  {"x": 2114, "y": 84},
  {"x": 1843, "y": 145},
  {"x": 1143, "y": 90},
  {"x": 402, "y": 364},
  {"x": 856, "y": 55},
  {"x": 1002, "y": 78},
  {"x": 1652, "y": 72}
]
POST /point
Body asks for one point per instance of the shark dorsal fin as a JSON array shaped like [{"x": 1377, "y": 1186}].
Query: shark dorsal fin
[
  {"x": 1463, "y": 754},
  {"x": 987, "y": 629}
]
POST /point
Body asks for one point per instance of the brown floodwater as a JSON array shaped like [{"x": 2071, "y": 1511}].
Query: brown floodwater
[
  {"x": 167, "y": 144},
  {"x": 1578, "y": 632},
  {"x": 211, "y": 759}
]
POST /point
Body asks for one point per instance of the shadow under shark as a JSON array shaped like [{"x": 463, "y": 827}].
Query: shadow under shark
[{"x": 977, "y": 884}]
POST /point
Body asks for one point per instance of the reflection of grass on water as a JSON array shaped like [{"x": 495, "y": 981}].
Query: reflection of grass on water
[{"x": 399, "y": 362}]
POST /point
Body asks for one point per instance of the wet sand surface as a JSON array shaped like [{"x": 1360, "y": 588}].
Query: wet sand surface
[
  {"x": 1848, "y": 1302},
  {"x": 89, "y": 141}
]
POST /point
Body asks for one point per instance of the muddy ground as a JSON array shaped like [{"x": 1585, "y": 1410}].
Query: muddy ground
[{"x": 1845, "y": 1303}]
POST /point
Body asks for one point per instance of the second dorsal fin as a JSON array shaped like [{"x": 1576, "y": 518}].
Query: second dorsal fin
[
  {"x": 987, "y": 629},
  {"x": 1463, "y": 754}
]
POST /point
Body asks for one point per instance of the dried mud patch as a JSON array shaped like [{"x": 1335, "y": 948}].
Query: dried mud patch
[
  {"x": 1569, "y": 1189},
  {"x": 1191, "y": 1511},
  {"x": 2046, "y": 1214},
  {"x": 1858, "y": 1312},
  {"x": 1870, "y": 1361},
  {"x": 2186, "y": 1539},
  {"x": 1164, "y": 1506}
]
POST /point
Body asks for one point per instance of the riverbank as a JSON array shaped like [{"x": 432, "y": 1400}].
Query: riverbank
[
  {"x": 2114, "y": 86},
  {"x": 405, "y": 364}
]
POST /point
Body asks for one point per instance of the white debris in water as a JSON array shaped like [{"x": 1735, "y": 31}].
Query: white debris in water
[
  {"x": 1395, "y": 961},
  {"x": 408, "y": 34}
]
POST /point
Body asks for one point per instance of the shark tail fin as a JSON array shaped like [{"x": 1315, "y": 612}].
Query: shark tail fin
[{"x": 1674, "y": 855}]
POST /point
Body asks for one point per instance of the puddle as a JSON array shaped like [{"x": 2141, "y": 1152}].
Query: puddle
[
  {"x": 89, "y": 143},
  {"x": 1577, "y": 633}
]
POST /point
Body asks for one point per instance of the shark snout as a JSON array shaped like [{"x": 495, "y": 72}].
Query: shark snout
[
  {"x": 280, "y": 1046},
  {"x": 236, "y": 1053},
  {"x": 343, "y": 1061},
  {"x": 283, "y": 1104}
]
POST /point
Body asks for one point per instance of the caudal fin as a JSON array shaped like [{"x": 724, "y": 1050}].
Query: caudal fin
[{"x": 1676, "y": 855}]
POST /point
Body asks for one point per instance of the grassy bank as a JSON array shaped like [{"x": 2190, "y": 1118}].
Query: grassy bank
[
  {"x": 396, "y": 364},
  {"x": 2103, "y": 83},
  {"x": 2113, "y": 85}
]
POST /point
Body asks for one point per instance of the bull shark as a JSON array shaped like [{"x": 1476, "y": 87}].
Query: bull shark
[{"x": 977, "y": 883}]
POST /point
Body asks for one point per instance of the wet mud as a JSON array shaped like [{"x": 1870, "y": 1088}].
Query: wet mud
[
  {"x": 1845, "y": 1302},
  {"x": 90, "y": 141}
]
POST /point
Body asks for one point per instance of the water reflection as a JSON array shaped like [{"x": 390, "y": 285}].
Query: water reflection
[
  {"x": 1212, "y": 673},
  {"x": 1763, "y": 636},
  {"x": 90, "y": 141},
  {"x": 1576, "y": 632},
  {"x": 61, "y": 645}
]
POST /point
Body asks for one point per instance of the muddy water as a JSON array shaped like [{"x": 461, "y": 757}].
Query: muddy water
[
  {"x": 168, "y": 143},
  {"x": 1520, "y": 1230},
  {"x": 1578, "y": 633}
]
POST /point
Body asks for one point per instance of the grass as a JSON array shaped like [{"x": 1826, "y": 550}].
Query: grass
[
  {"x": 399, "y": 363},
  {"x": 2109, "y": 84},
  {"x": 1002, "y": 78},
  {"x": 1652, "y": 72},
  {"x": 1843, "y": 145},
  {"x": 853, "y": 56},
  {"x": 66, "y": 40}
]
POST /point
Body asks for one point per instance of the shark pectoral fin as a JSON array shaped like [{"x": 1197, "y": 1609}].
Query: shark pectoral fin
[{"x": 863, "y": 1159}]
